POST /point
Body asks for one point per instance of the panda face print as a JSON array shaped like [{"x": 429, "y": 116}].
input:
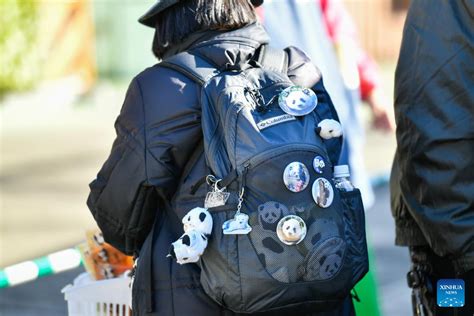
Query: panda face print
[
  {"x": 296, "y": 176},
  {"x": 270, "y": 213},
  {"x": 104, "y": 256},
  {"x": 276, "y": 256},
  {"x": 324, "y": 261},
  {"x": 107, "y": 271},
  {"x": 330, "y": 265},
  {"x": 98, "y": 238},
  {"x": 320, "y": 230}
]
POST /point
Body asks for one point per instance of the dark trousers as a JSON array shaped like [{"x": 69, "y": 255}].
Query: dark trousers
[{"x": 430, "y": 268}]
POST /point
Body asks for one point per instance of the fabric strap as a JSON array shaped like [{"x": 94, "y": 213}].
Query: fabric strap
[{"x": 200, "y": 70}]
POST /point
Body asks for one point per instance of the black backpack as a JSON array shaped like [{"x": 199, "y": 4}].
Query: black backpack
[{"x": 271, "y": 180}]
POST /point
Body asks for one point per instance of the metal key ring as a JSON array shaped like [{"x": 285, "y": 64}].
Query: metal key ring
[
  {"x": 216, "y": 188},
  {"x": 210, "y": 179}
]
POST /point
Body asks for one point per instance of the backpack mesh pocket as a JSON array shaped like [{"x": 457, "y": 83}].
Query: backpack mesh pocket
[
  {"x": 320, "y": 255},
  {"x": 354, "y": 219}
]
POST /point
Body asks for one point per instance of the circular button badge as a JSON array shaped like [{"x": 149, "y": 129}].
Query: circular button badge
[
  {"x": 291, "y": 230},
  {"x": 296, "y": 176},
  {"x": 297, "y": 101},
  {"x": 323, "y": 193},
  {"x": 318, "y": 164}
]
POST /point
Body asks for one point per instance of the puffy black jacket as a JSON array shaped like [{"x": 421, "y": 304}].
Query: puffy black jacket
[
  {"x": 432, "y": 183},
  {"x": 158, "y": 131}
]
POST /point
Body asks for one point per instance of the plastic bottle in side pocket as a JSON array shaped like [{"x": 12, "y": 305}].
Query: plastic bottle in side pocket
[{"x": 342, "y": 180}]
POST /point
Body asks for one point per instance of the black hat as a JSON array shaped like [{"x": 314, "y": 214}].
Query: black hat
[{"x": 149, "y": 18}]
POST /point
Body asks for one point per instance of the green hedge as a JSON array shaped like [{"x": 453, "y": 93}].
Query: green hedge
[{"x": 19, "y": 60}]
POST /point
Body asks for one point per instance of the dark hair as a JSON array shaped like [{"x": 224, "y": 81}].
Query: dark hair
[{"x": 179, "y": 21}]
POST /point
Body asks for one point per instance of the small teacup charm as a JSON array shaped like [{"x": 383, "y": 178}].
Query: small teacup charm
[{"x": 291, "y": 230}]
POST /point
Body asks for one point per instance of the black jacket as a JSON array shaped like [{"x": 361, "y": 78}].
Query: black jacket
[
  {"x": 432, "y": 182},
  {"x": 158, "y": 131}
]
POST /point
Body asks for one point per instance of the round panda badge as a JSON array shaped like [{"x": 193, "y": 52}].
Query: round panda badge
[
  {"x": 296, "y": 176},
  {"x": 291, "y": 230},
  {"x": 297, "y": 101}
]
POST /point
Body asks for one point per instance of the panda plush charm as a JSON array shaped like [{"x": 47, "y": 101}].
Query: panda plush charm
[
  {"x": 197, "y": 225},
  {"x": 198, "y": 219},
  {"x": 189, "y": 247},
  {"x": 328, "y": 129}
]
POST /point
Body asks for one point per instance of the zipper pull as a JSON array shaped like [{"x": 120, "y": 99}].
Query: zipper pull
[{"x": 243, "y": 174}]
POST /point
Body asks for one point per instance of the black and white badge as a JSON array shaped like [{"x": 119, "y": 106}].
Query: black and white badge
[
  {"x": 297, "y": 101},
  {"x": 291, "y": 230}
]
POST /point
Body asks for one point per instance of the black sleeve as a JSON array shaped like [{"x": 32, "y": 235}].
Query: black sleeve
[
  {"x": 156, "y": 130},
  {"x": 121, "y": 183}
]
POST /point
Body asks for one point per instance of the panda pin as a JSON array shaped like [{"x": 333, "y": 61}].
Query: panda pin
[{"x": 197, "y": 224}]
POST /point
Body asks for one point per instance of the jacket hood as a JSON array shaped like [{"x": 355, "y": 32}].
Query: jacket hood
[{"x": 225, "y": 47}]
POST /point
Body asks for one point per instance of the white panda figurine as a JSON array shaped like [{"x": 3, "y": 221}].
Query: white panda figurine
[
  {"x": 328, "y": 129},
  {"x": 189, "y": 247},
  {"x": 198, "y": 219},
  {"x": 237, "y": 226}
]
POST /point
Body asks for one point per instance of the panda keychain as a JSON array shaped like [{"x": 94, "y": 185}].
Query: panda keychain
[
  {"x": 217, "y": 197},
  {"x": 239, "y": 225}
]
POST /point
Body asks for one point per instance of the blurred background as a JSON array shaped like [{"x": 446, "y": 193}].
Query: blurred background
[{"x": 64, "y": 69}]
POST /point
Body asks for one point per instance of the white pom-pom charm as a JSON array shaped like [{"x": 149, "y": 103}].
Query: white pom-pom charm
[{"x": 328, "y": 129}]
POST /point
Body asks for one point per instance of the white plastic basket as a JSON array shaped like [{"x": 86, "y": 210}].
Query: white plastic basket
[{"x": 87, "y": 297}]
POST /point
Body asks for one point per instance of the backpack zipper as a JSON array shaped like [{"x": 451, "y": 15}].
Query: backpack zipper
[{"x": 263, "y": 156}]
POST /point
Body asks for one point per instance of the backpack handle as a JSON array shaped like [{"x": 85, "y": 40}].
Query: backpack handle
[
  {"x": 200, "y": 70},
  {"x": 272, "y": 58},
  {"x": 192, "y": 66}
]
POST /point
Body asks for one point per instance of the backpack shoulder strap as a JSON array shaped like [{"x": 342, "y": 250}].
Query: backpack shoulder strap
[
  {"x": 200, "y": 70},
  {"x": 273, "y": 59},
  {"x": 192, "y": 66}
]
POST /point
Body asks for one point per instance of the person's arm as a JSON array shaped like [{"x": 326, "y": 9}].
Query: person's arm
[
  {"x": 342, "y": 31},
  {"x": 156, "y": 131}
]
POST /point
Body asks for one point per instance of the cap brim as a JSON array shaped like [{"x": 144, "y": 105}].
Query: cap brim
[{"x": 149, "y": 18}]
